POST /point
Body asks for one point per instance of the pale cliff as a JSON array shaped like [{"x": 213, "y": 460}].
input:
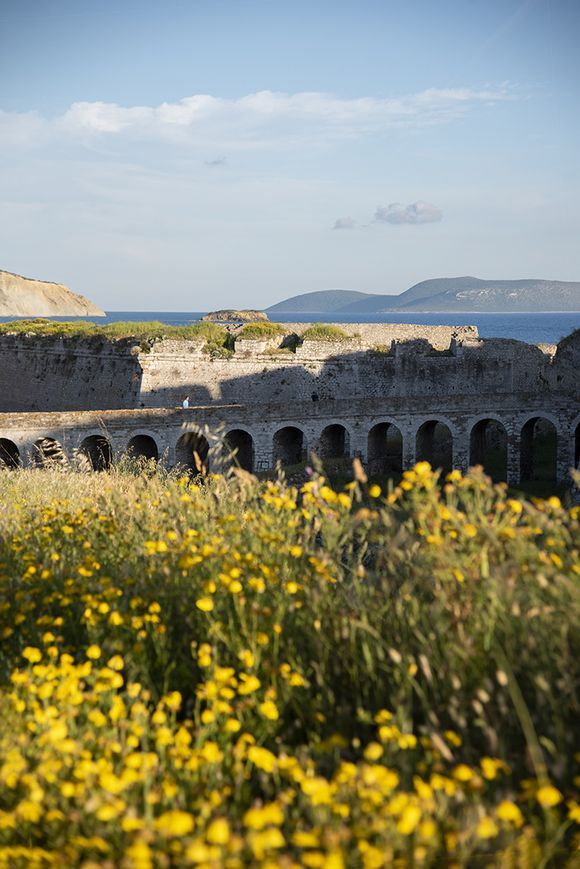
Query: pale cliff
[{"x": 25, "y": 297}]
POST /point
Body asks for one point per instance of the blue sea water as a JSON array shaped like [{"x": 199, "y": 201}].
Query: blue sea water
[{"x": 545, "y": 328}]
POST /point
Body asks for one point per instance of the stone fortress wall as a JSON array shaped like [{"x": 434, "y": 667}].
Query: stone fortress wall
[
  {"x": 93, "y": 374},
  {"x": 390, "y": 394}
]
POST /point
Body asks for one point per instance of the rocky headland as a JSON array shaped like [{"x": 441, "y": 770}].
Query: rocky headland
[{"x": 26, "y": 297}]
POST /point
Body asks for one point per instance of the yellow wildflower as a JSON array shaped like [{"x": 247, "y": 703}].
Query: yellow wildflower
[
  {"x": 508, "y": 811},
  {"x": 409, "y": 819},
  {"x": 487, "y": 828},
  {"x": 549, "y": 796},
  {"x": 269, "y": 710},
  {"x": 205, "y": 604},
  {"x": 174, "y": 823},
  {"x": 218, "y": 832}
]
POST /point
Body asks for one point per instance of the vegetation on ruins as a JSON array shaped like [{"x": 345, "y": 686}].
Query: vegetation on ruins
[
  {"x": 261, "y": 331},
  {"x": 145, "y": 333},
  {"x": 324, "y": 332},
  {"x": 226, "y": 672}
]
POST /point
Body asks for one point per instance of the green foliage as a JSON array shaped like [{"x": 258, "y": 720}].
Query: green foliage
[
  {"x": 324, "y": 332},
  {"x": 261, "y": 331}
]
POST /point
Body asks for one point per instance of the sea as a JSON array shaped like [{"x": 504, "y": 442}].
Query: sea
[{"x": 544, "y": 328}]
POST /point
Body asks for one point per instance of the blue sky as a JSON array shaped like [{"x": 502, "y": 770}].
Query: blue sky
[{"x": 188, "y": 155}]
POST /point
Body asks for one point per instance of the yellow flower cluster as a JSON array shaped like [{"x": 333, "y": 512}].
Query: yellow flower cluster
[
  {"x": 96, "y": 770},
  {"x": 212, "y": 676}
]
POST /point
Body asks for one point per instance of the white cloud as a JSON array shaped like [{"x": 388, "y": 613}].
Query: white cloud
[
  {"x": 344, "y": 223},
  {"x": 255, "y": 120},
  {"x": 416, "y": 212}
]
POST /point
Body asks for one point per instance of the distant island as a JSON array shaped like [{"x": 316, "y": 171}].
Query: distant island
[
  {"x": 26, "y": 297},
  {"x": 453, "y": 295},
  {"x": 233, "y": 315}
]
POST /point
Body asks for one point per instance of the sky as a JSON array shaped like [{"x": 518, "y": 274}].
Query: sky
[{"x": 187, "y": 155}]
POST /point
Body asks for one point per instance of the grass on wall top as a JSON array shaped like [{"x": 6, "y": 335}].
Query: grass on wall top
[
  {"x": 217, "y": 337},
  {"x": 324, "y": 332},
  {"x": 261, "y": 331}
]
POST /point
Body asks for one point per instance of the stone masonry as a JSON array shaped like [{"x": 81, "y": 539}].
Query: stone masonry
[{"x": 394, "y": 393}]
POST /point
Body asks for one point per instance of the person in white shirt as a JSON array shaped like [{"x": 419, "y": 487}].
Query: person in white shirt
[{"x": 185, "y": 402}]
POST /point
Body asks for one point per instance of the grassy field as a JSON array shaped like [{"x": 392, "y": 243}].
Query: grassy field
[{"x": 239, "y": 673}]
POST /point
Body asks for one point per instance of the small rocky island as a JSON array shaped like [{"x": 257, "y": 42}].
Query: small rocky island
[
  {"x": 231, "y": 315},
  {"x": 26, "y": 297}
]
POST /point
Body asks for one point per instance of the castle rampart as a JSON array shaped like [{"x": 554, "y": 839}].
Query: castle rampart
[{"x": 390, "y": 402}]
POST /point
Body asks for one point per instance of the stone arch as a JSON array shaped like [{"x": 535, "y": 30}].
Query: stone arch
[
  {"x": 434, "y": 444},
  {"x": 143, "y": 447},
  {"x": 241, "y": 443},
  {"x": 48, "y": 452},
  {"x": 289, "y": 446},
  {"x": 334, "y": 442},
  {"x": 96, "y": 453},
  {"x": 192, "y": 453},
  {"x": 488, "y": 446},
  {"x": 385, "y": 449},
  {"x": 9, "y": 454},
  {"x": 539, "y": 450}
]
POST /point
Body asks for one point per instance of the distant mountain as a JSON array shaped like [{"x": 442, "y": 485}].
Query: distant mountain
[
  {"x": 461, "y": 295},
  {"x": 26, "y": 297},
  {"x": 318, "y": 302},
  {"x": 474, "y": 294}
]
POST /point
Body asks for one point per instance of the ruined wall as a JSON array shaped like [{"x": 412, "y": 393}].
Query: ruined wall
[
  {"x": 51, "y": 374},
  {"x": 42, "y": 373},
  {"x": 335, "y": 370}
]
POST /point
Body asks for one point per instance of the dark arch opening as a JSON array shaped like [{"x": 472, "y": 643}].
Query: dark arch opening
[
  {"x": 48, "y": 452},
  {"x": 98, "y": 452},
  {"x": 435, "y": 445},
  {"x": 488, "y": 447},
  {"x": 289, "y": 446},
  {"x": 9, "y": 454},
  {"x": 143, "y": 447},
  {"x": 241, "y": 445},
  {"x": 385, "y": 449},
  {"x": 333, "y": 442},
  {"x": 192, "y": 453},
  {"x": 538, "y": 450}
]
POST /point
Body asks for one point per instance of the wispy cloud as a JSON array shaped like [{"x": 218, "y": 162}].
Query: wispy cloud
[
  {"x": 255, "y": 120},
  {"x": 344, "y": 223},
  {"x": 416, "y": 212},
  {"x": 216, "y": 163}
]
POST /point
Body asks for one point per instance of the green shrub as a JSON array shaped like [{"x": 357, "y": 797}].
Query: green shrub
[
  {"x": 261, "y": 331},
  {"x": 324, "y": 332}
]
